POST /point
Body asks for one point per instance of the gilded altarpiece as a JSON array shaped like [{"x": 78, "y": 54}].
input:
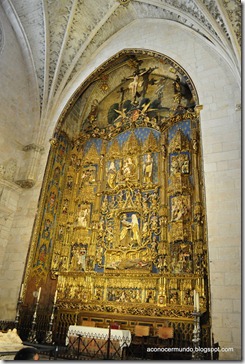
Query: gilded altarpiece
[{"x": 121, "y": 223}]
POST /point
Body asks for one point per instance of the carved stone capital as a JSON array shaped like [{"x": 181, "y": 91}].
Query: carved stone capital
[
  {"x": 34, "y": 147},
  {"x": 124, "y": 2},
  {"x": 25, "y": 183}
]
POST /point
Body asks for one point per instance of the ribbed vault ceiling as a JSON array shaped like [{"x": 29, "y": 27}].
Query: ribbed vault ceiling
[{"x": 59, "y": 36}]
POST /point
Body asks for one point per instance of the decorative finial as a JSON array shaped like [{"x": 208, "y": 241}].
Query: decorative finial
[{"x": 198, "y": 108}]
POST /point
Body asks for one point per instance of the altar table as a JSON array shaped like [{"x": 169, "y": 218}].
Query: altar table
[{"x": 93, "y": 341}]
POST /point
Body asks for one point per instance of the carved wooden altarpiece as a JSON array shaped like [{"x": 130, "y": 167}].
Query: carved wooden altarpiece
[{"x": 121, "y": 227}]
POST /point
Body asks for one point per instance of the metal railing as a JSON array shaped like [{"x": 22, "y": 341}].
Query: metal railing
[{"x": 105, "y": 348}]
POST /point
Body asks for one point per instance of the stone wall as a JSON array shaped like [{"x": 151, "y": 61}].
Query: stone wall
[{"x": 18, "y": 203}]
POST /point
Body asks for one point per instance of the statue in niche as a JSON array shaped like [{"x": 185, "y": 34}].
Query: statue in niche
[
  {"x": 130, "y": 232},
  {"x": 174, "y": 298},
  {"x": 128, "y": 168},
  {"x": 135, "y": 296},
  {"x": 184, "y": 163},
  {"x": 154, "y": 223},
  {"x": 154, "y": 201},
  {"x": 164, "y": 151},
  {"x": 162, "y": 300},
  {"x": 145, "y": 229},
  {"x": 98, "y": 295},
  {"x": 187, "y": 298},
  {"x": 61, "y": 233},
  {"x": 56, "y": 260},
  {"x": 100, "y": 253},
  {"x": 148, "y": 168},
  {"x": 125, "y": 231},
  {"x": 150, "y": 297},
  {"x": 112, "y": 175},
  {"x": 135, "y": 230},
  {"x": 180, "y": 164},
  {"x": 101, "y": 228},
  {"x": 185, "y": 167},
  {"x": 122, "y": 297},
  {"x": 42, "y": 255},
  {"x": 104, "y": 205},
  {"x": 154, "y": 244},
  {"x": 174, "y": 166},
  {"x": 88, "y": 176},
  {"x": 181, "y": 257},
  {"x": 52, "y": 199},
  {"x": 82, "y": 219},
  {"x": 92, "y": 175},
  {"x": 112, "y": 206},
  {"x": 46, "y": 228},
  {"x": 145, "y": 206},
  {"x": 78, "y": 258},
  {"x": 63, "y": 263},
  {"x": 109, "y": 237},
  {"x": 111, "y": 295},
  {"x": 61, "y": 153},
  {"x": 159, "y": 263},
  {"x": 137, "y": 198},
  {"x": 180, "y": 207},
  {"x": 56, "y": 175}
]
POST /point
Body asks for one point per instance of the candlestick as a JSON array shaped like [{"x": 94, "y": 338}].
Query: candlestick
[
  {"x": 19, "y": 303},
  {"x": 195, "y": 329},
  {"x": 49, "y": 334},
  {"x": 55, "y": 296},
  {"x": 39, "y": 294},
  {"x": 197, "y": 354},
  {"x": 195, "y": 300},
  {"x": 32, "y": 336}
]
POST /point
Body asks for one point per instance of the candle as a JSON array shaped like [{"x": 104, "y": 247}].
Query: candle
[
  {"x": 195, "y": 300},
  {"x": 39, "y": 294},
  {"x": 21, "y": 290},
  {"x": 55, "y": 296}
]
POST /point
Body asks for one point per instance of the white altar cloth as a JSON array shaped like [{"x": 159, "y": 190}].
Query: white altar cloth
[{"x": 123, "y": 336}]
